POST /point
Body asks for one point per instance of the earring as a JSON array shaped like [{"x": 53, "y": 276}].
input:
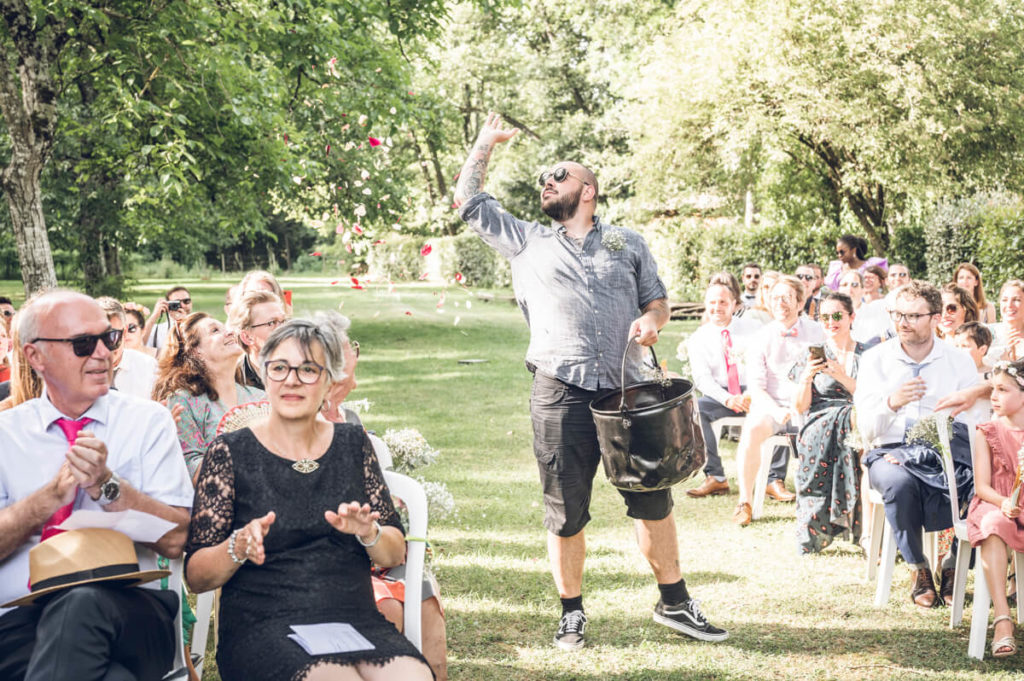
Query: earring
[{"x": 325, "y": 406}]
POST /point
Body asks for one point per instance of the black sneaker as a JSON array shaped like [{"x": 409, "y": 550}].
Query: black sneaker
[
  {"x": 570, "y": 630},
  {"x": 688, "y": 619}
]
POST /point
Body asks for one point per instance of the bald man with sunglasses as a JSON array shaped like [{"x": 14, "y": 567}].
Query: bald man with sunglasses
[
  {"x": 586, "y": 289},
  {"x": 81, "y": 446}
]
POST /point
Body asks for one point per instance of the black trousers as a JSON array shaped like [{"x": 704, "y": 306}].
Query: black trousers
[{"x": 92, "y": 632}]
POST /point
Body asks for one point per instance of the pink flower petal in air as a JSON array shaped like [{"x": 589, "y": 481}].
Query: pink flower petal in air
[
  {"x": 425, "y": 251},
  {"x": 335, "y": 282},
  {"x": 378, "y": 242},
  {"x": 408, "y": 313},
  {"x": 357, "y": 229},
  {"x": 424, "y": 276},
  {"x": 374, "y": 142},
  {"x": 458, "y": 277},
  {"x": 348, "y": 247},
  {"x": 328, "y": 150}
]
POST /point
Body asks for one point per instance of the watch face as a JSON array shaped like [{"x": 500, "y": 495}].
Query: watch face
[{"x": 111, "y": 490}]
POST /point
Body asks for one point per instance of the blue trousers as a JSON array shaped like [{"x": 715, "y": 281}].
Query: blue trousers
[
  {"x": 710, "y": 410},
  {"x": 910, "y": 506}
]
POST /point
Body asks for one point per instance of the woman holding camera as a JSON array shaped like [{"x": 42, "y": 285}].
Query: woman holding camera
[{"x": 827, "y": 502}]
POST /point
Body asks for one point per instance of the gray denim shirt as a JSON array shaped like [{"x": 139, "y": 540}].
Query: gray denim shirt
[{"x": 578, "y": 302}]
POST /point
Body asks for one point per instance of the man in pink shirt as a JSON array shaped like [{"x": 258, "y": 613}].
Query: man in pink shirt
[{"x": 771, "y": 389}]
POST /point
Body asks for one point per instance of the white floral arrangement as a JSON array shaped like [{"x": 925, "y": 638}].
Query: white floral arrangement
[
  {"x": 684, "y": 357},
  {"x": 411, "y": 451},
  {"x": 613, "y": 239}
]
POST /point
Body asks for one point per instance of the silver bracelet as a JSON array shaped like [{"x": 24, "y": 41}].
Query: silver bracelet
[
  {"x": 376, "y": 539},
  {"x": 231, "y": 549}
]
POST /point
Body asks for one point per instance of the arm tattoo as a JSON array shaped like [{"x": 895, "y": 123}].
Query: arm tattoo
[{"x": 471, "y": 179}]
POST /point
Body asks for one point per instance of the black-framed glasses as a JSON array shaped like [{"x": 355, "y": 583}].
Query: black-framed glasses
[
  {"x": 909, "y": 317},
  {"x": 307, "y": 372},
  {"x": 834, "y": 316},
  {"x": 273, "y": 323},
  {"x": 354, "y": 344},
  {"x": 85, "y": 345},
  {"x": 805, "y": 277},
  {"x": 952, "y": 308},
  {"x": 752, "y": 275},
  {"x": 558, "y": 175}
]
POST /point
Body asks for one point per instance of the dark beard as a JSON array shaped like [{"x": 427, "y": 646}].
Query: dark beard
[{"x": 564, "y": 208}]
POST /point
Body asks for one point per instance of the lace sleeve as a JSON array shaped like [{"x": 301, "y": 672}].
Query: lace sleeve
[
  {"x": 376, "y": 489},
  {"x": 213, "y": 509}
]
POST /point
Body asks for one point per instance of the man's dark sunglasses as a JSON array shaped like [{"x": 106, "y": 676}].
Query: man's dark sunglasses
[
  {"x": 805, "y": 277},
  {"x": 84, "y": 346},
  {"x": 558, "y": 175},
  {"x": 8, "y": 313}
]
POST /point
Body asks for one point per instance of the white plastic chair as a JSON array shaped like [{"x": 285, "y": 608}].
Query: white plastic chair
[
  {"x": 882, "y": 537},
  {"x": 411, "y": 493},
  {"x": 725, "y": 421},
  {"x": 761, "y": 481}
]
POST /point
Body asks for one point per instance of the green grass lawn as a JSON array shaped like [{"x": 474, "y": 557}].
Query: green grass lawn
[{"x": 789, "y": 617}]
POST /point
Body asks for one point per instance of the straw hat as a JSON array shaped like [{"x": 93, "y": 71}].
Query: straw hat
[{"x": 83, "y": 557}]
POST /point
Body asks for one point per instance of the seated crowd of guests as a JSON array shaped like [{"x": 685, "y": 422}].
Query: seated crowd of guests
[
  {"x": 111, "y": 407},
  {"x": 845, "y": 365}
]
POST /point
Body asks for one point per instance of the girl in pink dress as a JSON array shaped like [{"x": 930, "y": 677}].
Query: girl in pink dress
[{"x": 994, "y": 520}]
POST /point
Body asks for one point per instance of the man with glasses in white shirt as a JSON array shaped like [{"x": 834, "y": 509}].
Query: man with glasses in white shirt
[{"x": 902, "y": 381}]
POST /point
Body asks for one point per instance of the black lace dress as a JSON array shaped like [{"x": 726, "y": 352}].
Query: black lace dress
[{"x": 312, "y": 573}]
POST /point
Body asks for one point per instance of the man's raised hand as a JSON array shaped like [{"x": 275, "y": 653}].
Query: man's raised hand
[{"x": 493, "y": 130}]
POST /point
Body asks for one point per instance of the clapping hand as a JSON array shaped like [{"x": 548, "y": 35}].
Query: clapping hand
[
  {"x": 87, "y": 462},
  {"x": 254, "y": 533},
  {"x": 352, "y": 518},
  {"x": 911, "y": 391}
]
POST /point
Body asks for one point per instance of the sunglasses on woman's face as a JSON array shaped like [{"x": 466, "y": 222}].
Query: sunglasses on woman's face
[
  {"x": 834, "y": 316},
  {"x": 84, "y": 346},
  {"x": 558, "y": 175},
  {"x": 132, "y": 328},
  {"x": 952, "y": 308}
]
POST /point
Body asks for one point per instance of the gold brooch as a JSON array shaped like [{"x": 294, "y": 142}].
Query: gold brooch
[{"x": 305, "y": 465}]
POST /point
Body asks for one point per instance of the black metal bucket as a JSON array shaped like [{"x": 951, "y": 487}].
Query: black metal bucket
[{"x": 649, "y": 433}]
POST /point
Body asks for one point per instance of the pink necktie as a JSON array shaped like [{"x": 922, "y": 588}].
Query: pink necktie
[
  {"x": 71, "y": 429},
  {"x": 730, "y": 366}
]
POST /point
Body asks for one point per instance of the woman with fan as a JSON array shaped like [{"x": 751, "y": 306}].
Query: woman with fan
[
  {"x": 290, "y": 535},
  {"x": 197, "y": 373}
]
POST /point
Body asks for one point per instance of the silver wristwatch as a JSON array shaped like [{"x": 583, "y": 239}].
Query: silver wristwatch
[{"x": 110, "y": 491}]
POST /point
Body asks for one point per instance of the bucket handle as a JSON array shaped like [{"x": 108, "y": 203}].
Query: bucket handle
[{"x": 622, "y": 372}]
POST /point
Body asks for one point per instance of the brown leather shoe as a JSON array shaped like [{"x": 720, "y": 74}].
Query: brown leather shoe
[
  {"x": 946, "y": 578},
  {"x": 923, "y": 591},
  {"x": 777, "y": 491},
  {"x": 710, "y": 487},
  {"x": 742, "y": 514}
]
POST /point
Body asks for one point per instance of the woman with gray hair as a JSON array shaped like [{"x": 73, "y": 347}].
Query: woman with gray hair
[{"x": 291, "y": 530}]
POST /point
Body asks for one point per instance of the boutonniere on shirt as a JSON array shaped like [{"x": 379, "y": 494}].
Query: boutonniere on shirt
[{"x": 613, "y": 239}]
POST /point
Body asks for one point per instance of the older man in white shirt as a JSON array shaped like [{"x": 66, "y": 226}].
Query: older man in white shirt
[
  {"x": 902, "y": 381},
  {"x": 81, "y": 446}
]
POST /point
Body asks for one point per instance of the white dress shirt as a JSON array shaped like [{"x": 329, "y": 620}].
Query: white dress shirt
[
  {"x": 706, "y": 349},
  {"x": 769, "y": 364},
  {"x": 136, "y": 374},
  {"x": 885, "y": 367},
  {"x": 142, "y": 448}
]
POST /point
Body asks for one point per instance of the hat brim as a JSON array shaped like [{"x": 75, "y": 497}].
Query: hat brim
[{"x": 129, "y": 579}]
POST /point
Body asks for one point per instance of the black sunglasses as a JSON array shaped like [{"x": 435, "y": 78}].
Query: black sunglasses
[
  {"x": 132, "y": 328},
  {"x": 952, "y": 308},
  {"x": 8, "y": 313},
  {"x": 84, "y": 346},
  {"x": 805, "y": 277},
  {"x": 558, "y": 175}
]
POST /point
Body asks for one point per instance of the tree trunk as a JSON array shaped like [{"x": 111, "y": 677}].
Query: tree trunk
[{"x": 20, "y": 181}]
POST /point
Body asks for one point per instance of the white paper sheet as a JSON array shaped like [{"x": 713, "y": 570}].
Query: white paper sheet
[
  {"x": 330, "y": 637},
  {"x": 141, "y": 527}
]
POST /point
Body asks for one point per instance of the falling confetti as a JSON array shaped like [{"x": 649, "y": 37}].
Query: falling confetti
[
  {"x": 316, "y": 253},
  {"x": 374, "y": 142},
  {"x": 335, "y": 282},
  {"x": 425, "y": 251},
  {"x": 457, "y": 320},
  {"x": 357, "y": 229},
  {"x": 356, "y": 284},
  {"x": 408, "y": 312},
  {"x": 328, "y": 150},
  {"x": 459, "y": 278},
  {"x": 424, "y": 276}
]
